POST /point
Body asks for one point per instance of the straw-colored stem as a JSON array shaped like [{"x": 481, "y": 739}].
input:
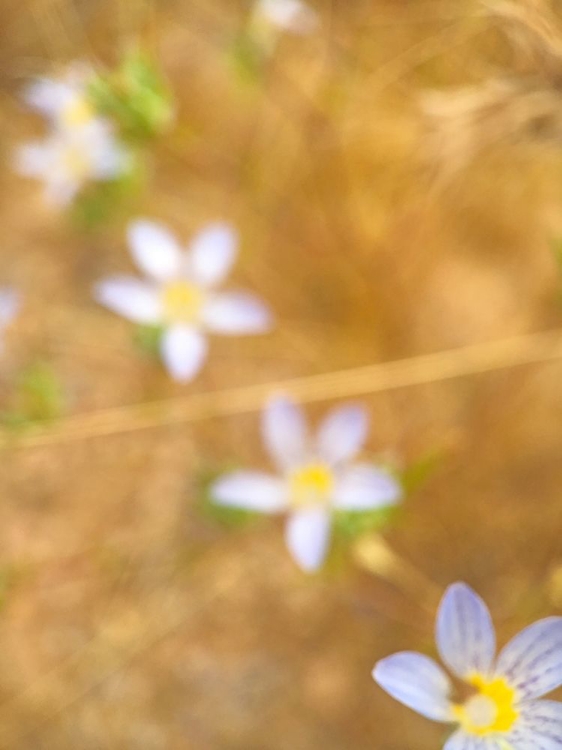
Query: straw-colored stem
[
  {"x": 429, "y": 368},
  {"x": 373, "y": 554}
]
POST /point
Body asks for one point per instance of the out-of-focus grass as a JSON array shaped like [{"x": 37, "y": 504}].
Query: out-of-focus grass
[{"x": 142, "y": 621}]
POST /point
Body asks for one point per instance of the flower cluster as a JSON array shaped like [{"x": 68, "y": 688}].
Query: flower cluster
[
  {"x": 80, "y": 147},
  {"x": 494, "y": 702}
]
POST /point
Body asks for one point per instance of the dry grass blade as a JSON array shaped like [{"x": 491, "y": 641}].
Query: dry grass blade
[
  {"x": 534, "y": 31},
  {"x": 470, "y": 360},
  {"x": 524, "y": 105}
]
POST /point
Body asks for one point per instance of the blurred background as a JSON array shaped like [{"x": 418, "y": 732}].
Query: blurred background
[{"x": 396, "y": 178}]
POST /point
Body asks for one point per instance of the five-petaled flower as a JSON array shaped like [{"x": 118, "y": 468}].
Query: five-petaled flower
[
  {"x": 80, "y": 147},
  {"x": 9, "y": 306},
  {"x": 316, "y": 477},
  {"x": 180, "y": 294},
  {"x": 498, "y": 709}
]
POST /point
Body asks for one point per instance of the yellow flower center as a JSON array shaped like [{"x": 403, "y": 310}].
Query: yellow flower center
[
  {"x": 182, "y": 302},
  {"x": 78, "y": 112},
  {"x": 77, "y": 162},
  {"x": 311, "y": 483},
  {"x": 491, "y": 709}
]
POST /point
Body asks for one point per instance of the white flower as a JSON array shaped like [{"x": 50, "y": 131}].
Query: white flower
[
  {"x": 64, "y": 100},
  {"x": 9, "y": 306},
  {"x": 499, "y": 709},
  {"x": 180, "y": 294},
  {"x": 68, "y": 159},
  {"x": 316, "y": 477},
  {"x": 287, "y": 15}
]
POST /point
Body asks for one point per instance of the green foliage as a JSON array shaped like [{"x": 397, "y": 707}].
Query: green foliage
[
  {"x": 416, "y": 475},
  {"x": 38, "y": 397},
  {"x": 147, "y": 340},
  {"x": 247, "y": 59},
  {"x": 352, "y": 524},
  {"x": 135, "y": 96},
  {"x": 103, "y": 201}
]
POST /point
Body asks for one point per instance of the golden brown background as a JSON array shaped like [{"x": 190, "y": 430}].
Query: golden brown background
[{"x": 377, "y": 232}]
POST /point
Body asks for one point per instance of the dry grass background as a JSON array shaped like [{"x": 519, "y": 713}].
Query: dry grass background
[{"x": 131, "y": 621}]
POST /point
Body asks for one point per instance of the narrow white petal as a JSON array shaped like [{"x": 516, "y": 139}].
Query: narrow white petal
[
  {"x": 9, "y": 305},
  {"x": 251, "y": 490},
  {"x": 532, "y": 661},
  {"x": 463, "y": 741},
  {"x": 132, "y": 298},
  {"x": 365, "y": 487},
  {"x": 184, "y": 350},
  {"x": 47, "y": 95},
  {"x": 307, "y": 535},
  {"x": 465, "y": 633},
  {"x": 154, "y": 249},
  {"x": 236, "y": 313},
  {"x": 418, "y": 682},
  {"x": 343, "y": 433},
  {"x": 33, "y": 159},
  {"x": 539, "y": 727},
  {"x": 213, "y": 251},
  {"x": 285, "y": 432},
  {"x": 111, "y": 160}
]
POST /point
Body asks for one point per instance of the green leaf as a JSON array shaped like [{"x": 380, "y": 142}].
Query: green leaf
[
  {"x": 247, "y": 59},
  {"x": 104, "y": 201},
  {"x": 40, "y": 395},
  {"x": 135, "y": 96},
  {"x": 147, "y": 340},
  {"x": 350, "y": 525}
]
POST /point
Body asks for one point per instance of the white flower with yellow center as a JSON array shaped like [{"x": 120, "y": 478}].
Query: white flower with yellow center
[
  {"x": 180, "y": 293},
  {"x": 81, "y": 147},
  {"x": 498, "y": 709},
  {"x": 316, "y": 477},
  {"x": 9, "y": 307},
  {"x": 70, "y": 158},
  {"x": 65, "y": 100}
]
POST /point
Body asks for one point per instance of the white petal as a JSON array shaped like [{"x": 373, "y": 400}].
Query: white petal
[
  {"x": 251, "y": 490},
  {"x": 183, "y": 349},
  {"x": 60, "y": 189},
  {"x": 236, "y": 314},
  {"x": 47, "y": 95},
  {"x": 463, "y": 741},
  {"x": 539, "y": 727},
  {"x": 213, "y": 251},
  {"x": 111, "y": 160},
  {"x": 532, "y": 661},
  {"x": 154, "y": 249},
  {"x": 292, "y": 15},
  {"x": 34, "y": 159},
  {"x": 307, "y": 535},
  {"x": 365, "y": 487},
  {"x": 418, "y": 682},
  {"x": 9, "y": 305},
  {"x": 465, "y": 633},
  {"x": 284, "y": 432},
  {"x": 342, "y": 433},
  {"x": 134, "y": 299}
]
